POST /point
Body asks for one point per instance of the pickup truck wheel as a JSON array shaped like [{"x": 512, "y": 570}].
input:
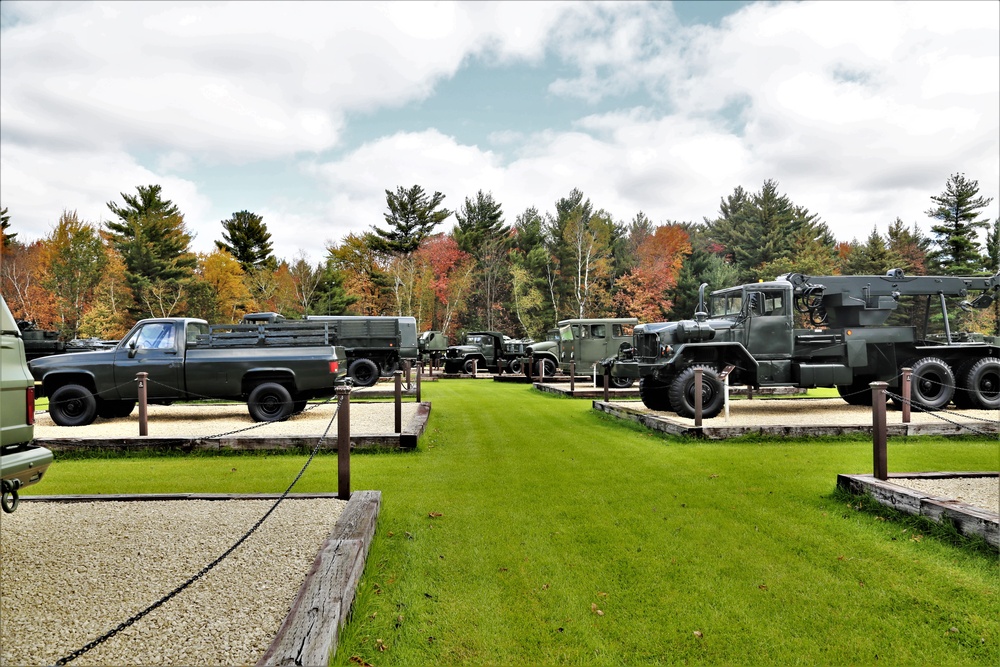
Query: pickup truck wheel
[
  {"x": 364, "y": 372},
  {"x": 655, "y": 395},
  {"x": 979, "y": 384},
  {"x": 115, "y": 409},
  {"x": 72, "y": 405},
  {"x": 298, "y": 406},
  {"x": 933, "y": 383},
  {"x": 682, "y": 392},
  {"x": 269, "y": 402}
]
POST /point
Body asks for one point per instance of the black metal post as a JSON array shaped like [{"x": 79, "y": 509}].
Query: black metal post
[
  {"x": 143, "y": 405},
  {"x": 879, "y": 431},
  {"x": 398, "y": 379},
  {"x": 344, "y": 443}
]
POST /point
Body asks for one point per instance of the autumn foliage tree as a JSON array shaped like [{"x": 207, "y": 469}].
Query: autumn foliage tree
[
  {"x": 643, "y": 292},
  {"x": 76, "y": 259}
]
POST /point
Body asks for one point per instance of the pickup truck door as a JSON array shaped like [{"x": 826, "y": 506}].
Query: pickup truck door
[{"x": 152, "y": 348}]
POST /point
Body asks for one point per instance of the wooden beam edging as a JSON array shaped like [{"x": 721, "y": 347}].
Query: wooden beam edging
[
  {"x": 967, "y": 519},
  {"x": 308, "y": 635}
]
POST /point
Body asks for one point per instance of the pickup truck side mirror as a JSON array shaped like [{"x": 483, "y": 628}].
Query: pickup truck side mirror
[{"x": 131, "y": 348}]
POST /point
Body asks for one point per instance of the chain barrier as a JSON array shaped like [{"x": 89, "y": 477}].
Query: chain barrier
[
  {"x": 937, "y": 415},
  {"x": 205, "y": 570}
]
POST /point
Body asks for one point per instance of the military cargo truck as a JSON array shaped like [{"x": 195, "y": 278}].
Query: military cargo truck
[
  {"x": 752, "y": 330},
  {"x": 587, "y": 342},
  {"x": 432, "y": 346},
  {"x": 375, "y": 345}
]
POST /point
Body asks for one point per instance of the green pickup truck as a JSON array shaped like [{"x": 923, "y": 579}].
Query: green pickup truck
[{"x": 275, "y": 368}]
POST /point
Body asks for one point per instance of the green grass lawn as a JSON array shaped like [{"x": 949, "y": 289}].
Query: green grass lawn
[{"x": 528, "y": 529}]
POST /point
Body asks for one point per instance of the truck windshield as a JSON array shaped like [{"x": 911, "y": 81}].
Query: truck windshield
[{"x": 726, "y": 304}]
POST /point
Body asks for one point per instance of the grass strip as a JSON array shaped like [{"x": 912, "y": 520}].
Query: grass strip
[{"x": 527, "y": 529}]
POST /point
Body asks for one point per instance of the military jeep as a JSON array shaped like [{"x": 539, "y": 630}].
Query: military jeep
[{"x": 483, "y": 350}]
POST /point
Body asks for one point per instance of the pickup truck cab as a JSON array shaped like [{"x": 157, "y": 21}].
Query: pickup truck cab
[
  {"x": 22, "y": 463},
  {"x": 274, "y": 368}
]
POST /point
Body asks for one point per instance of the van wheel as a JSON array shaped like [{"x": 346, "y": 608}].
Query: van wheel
[
  {"x": 932, "y": 383},
  {"x": 364, "y": 372},
  {"x": 269, "y": 402},
  {"x": 682, "y": 392},
  {"x": 72, "y": 405}
]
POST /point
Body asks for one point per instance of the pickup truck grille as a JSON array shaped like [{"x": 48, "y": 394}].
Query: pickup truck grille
[{"x": 647, "y": 346}]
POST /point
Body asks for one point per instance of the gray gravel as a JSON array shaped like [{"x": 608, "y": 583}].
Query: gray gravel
[
  {"x": 981, "y": 492},
  {"x": 206, "y": 420},
  {"x": 73, "y": 571}
]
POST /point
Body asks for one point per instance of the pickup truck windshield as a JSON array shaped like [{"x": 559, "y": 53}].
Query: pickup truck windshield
[{"x": 152, "y": 336}]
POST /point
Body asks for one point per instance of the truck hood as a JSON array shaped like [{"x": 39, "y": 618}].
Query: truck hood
[{"x": 71, "y": 360}]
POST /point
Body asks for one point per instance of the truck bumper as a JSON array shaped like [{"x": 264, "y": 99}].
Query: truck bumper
[{"x": 24, "y": 465}]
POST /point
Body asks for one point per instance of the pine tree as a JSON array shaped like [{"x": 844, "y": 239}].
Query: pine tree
[
  {"x": 957, "y": 210},
  {"x": 152, "y": 239},
  {"x": 246, "y": 238},
  {"x": 411, "y": 218},
  {"x": 6, "y": 238},
  {"x": 481, "y": 233}
]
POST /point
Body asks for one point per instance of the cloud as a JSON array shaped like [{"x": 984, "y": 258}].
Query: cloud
[{"x": 859, "y": 111}]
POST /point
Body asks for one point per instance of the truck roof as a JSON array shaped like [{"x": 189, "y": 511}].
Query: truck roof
[{"x": 600, "y": 320}]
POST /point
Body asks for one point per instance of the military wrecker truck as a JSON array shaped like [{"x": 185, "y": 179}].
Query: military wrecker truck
[
  {"x": 751, "y": 329},
  {"x": 482, "y": 350},
  {"x": 586, "y": 342},
  {"x": 375, "y": 345},
  {"x": 275, "y": 368}
]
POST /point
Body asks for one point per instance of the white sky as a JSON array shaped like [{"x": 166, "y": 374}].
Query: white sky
[{"x": 305, "y": 113}]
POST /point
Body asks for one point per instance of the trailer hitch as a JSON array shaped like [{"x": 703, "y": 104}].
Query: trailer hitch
[{"x": 8, "y": 495}]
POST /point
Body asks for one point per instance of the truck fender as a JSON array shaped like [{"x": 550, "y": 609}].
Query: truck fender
[
  {"x": 719, "y": 355},
  {"x": 255, "y": 376},
  {"x": 55, "y": 379}
]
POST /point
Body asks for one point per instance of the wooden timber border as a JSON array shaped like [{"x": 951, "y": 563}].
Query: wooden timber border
[
  {"x": 308, "y": 635},
  {"x": 587, "y": 390},
  {"x": 968, "y": 520},
  {"x": 359, "y": 441},
  {"x": 666, "y": 423}
]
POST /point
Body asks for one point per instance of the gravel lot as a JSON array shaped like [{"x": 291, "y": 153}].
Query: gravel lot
[
  {"x": 981, "y": 492},
  {"x": 73, "y": 571},
  {"x": 201, "y": 420}
]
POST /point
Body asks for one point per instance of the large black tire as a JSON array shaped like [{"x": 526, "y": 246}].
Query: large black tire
[
  {"x": 115, "y": 409},
  {"x": 932, "y": 383},
  {"x": 979, "y": 384},
  {"x": 712, "y": 392},
  {"x": 655, "y": 395},
  {"x": 514, "y": 366},
  {"x": 298, "y": 405},
  {"x": 856, "y": 393},
  {"x": 549, "y": 367},
  {"x": 470, "y": 366},
  {"x": 270, "y": 402},
  {"x": 364, "y": 372},
  {"x": 72, "y": 405}
]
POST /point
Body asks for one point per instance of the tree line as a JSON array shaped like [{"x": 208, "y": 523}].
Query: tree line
[{"x": 519, "y": 277}]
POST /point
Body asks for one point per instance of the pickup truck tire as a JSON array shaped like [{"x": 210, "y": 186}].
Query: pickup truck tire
[
  {"x": 364, "y": 372},
  {"x": 682, "y": 392},
  {"x": 933, "y": 383},
  {"x": 298, "y": 406},
  {"x": 655, "y": 395},
  {"x": 72, "y": 405},
  {"x": 979, "y": 384},
  {"x": 115, "y": 409},
  {"x": 270, "y": 402}
]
